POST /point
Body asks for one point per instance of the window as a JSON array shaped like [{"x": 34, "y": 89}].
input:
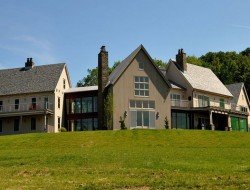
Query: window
[
  {"x": 180, "y": 120},
  {"x": 142, "y": 118},
  {"x": 143, "y": 104},
  {"x": 59, "y": 122},
  {"x": 175, "y": 99},
  {"x": 59, "y": 102},
  {"x": 77, "y": 105},
  {"x": 87, "y": 105},
  {"x": 87, "y": 124},
  {"x": 46, "y": 103},
  {"x": 1, "y": 126},
  {"x": 16, "y": 125},
  {"x": 64, "y": 83},
  {"x": 243, "y": 109},
  {"x": 222, "y": 103},
  {"x": 33, "y": 103},
  {"x": 141, "y": 86},
  {"x": 33, "y": 124},
  {"x": 94, "y": 104},
  {"x": 203, "y": 101},
  {"x": 16, "y": 104},
  {"x": 1, "y": 106},
  {"x": 141, "y": 65}
]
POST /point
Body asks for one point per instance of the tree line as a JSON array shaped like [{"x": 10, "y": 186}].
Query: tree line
[{"x": 230, "y": 67}]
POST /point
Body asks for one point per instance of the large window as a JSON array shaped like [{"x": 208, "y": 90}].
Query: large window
[
  {"x": 142, "y": 113},
  {"x": 203, "y": 101},
  {"x": 1, "y": 126},
  {"x": 87, "y": 105},
  {"x": 33, "y": 124},
  {"x": 141, "y": 86},
  {"x": 243, "y": 109},
  {"x": 180, "y": 120},
  {"x": 87, "y": 124},
  {"x": 16, "y": 124},
  {"x": 81, "y": 105},
  {"x": 46, "y": 103}
]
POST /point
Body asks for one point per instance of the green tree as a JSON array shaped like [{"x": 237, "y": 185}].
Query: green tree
[
  {"x": 90, "y": 80},
  {"x": 159, "y": 63}
]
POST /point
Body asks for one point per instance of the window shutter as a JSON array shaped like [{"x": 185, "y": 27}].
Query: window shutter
[
  {"x": 152, "y": 119},
  {"x": 133, "y": 115}
]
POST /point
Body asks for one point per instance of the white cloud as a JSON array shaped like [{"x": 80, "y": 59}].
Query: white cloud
[
  {"x": 240, "y": 26},
  {"x": 30, "y": 46}
]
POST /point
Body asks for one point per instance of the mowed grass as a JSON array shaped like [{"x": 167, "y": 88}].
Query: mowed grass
[{"x": 136, "y": 159}]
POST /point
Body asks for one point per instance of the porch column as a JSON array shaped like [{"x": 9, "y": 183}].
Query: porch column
[
  {"x": 45, "y": 123},
  {"x": 229, "y": 123},
  {"x": 211, "y": 120}
]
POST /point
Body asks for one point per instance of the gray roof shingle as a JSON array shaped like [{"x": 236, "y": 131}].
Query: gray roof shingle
[
  {"x": 204, "y": 79},
  {"x": 37, "y": 79},
  {"x": 235, "y": 90}
]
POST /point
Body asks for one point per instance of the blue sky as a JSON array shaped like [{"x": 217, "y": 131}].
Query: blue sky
[{"x": 72, "y": 31}]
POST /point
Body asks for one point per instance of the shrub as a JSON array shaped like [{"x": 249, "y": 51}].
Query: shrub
[
  {"x": 122, "y": 122},
  {"x": 166, "y": 123},
  {"x": 63, "y": 129}
]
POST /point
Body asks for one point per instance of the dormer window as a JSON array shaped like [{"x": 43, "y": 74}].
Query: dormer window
[{"x": 141, "y": 65}]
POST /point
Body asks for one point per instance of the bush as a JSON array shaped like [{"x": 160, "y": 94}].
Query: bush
[
  {"x": 122, "y": 122},
  {"x": 166, "y": 123},
  {"x": 63, "y": 129}
]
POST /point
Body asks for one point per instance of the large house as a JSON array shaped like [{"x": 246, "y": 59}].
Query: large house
[
  {"x": 31, "y": 98},
  {"x": 137, "y": 94}
]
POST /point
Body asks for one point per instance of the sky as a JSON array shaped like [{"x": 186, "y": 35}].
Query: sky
[{"x": 72, "y": 31}]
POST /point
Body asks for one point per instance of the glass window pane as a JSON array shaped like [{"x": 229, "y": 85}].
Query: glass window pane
[
  {"x": 137, "y": 92},
  {"x": 152, "y": 104},
  {"x": 146, "y": 118},
  {"x": 132, "y": 103},
  {"x": 137, "y": 86},
  {"x": 141, "y": 86},
  {"x": 145, "y": 104},
  {"x": 136, "y": 79},
  {"x": 141, "y": 92},
  {"x": 146, "y": 93},
  {"x": 146, "y": 79},
  {"x": 146, "y": 86},
  {"x": 139, "y": 104},
  {"x": 141, "y": 79},
  {"x": 139, "y": 118}
]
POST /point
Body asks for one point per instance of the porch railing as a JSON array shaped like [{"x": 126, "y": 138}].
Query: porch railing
[
  {"x": 180, "y": 103},
  {"x": 26, "y": 107}
]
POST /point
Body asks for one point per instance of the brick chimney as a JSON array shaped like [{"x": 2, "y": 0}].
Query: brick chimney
[
  {"x": 29, "y": 63},
  {"x": 102, "y": 82},
  {"x": 181, "y": 60}
]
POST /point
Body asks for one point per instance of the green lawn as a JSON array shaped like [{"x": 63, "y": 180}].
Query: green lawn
[{"x": 137, "y": 159}]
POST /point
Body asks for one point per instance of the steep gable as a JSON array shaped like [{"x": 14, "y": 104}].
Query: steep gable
[{"x": 114, "y": 76}]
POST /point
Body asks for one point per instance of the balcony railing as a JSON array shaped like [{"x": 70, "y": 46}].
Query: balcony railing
[
  {"x": 26, "y": 107},
  {"x": 180, "y": 103}
]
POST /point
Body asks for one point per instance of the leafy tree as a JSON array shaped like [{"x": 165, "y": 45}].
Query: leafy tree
[
  {"x": 90, "y": 80},
  {"x": 159, "y": 63}
]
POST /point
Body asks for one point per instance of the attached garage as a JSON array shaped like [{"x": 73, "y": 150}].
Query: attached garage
[{"x": 238, "y": 124}]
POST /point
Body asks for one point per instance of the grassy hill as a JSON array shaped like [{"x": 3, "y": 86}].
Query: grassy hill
[{"x": 138, "y": 159}]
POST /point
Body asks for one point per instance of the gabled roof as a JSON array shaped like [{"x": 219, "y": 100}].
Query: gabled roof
[
  {"x": 235, "y": 89},
  {"x": 201, "y": 78},
  {"x": 113, "y": 77},
  {"x": 37, "y": 79}
]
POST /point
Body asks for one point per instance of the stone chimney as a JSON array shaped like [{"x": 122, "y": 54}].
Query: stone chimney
[
  {"x": 102, "y": 82},
  {"x": 29, "y": 63},
  {"x": 181, "y": 60}
]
